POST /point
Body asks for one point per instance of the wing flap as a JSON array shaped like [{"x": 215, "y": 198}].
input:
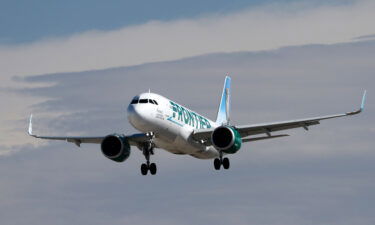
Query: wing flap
[
  {"x": 264, "y": 138},
  {"x": 134, "y": 139},
  {"x": 247, "y": 130}
]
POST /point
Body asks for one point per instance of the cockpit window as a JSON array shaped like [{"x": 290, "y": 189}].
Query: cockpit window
[
  {"x": 134, "y": 101},
  {"x": 143, "y": 101},
  {"x": 156, "y": 103}
]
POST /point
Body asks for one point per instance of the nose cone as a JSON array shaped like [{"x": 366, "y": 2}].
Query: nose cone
[
  {"x": 133, "y": 115},
  {"x": 136, "y": 116}
]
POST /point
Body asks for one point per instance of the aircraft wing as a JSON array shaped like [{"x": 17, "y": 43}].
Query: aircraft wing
[
  {"x": 134, "y": 139},
  {"x": 267, "y": 128}
]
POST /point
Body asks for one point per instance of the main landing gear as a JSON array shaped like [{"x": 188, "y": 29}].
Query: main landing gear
[
  {"x": 218, "y": 162},
  {"x": 148, "y": 149}
]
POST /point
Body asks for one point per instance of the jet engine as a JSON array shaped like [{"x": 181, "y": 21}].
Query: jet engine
[
  {"x": 116, "y": 147},
  {"x": 226, "y": 139}
]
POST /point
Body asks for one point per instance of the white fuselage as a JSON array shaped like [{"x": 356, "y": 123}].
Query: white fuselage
[{"x": 171, "y": 123}]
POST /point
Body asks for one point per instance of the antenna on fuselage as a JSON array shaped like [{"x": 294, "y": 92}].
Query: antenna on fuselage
[{"x": 149, "y": 90}]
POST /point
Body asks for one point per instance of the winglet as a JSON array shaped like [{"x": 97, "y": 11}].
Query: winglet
[
  {"x": 362, "y": 106},
  {"x": 30, "y": 131},
  {"x": 363, "y": 100}
]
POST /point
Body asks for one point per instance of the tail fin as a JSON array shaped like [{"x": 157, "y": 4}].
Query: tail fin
[{"x": 224, "y": 107}]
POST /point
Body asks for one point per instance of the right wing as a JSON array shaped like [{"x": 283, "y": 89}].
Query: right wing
[
  {"x": 134, "y": 139},
  {"x": 267, "y": 128}
]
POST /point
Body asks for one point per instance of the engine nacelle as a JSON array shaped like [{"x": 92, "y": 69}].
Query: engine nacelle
[
  {"x": 116, "y": 147},
  {"x": 226, "y": 139}
]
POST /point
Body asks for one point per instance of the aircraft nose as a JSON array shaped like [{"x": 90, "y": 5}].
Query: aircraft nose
[
  {"x": 131, "y": 113},
  {"x": 134, "y": 114}
]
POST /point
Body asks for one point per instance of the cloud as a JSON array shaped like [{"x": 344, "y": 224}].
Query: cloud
[
  {"x": 261, "y": 28},
  {"x": 366, "y": 37}
]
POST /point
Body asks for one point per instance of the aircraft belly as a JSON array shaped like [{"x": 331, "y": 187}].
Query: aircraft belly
[{"x": 182, "y": 146}]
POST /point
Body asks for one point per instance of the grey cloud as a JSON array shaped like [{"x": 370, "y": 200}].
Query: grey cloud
[{"x": 365, "y": 37}]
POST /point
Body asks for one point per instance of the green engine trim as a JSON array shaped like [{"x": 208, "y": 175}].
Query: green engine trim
[
  {"x": 126, "y": 152},
  {"x": 236, "y": 143}
]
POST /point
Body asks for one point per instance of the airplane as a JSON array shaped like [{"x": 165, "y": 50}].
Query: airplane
[{"x": 168, "y": 125}]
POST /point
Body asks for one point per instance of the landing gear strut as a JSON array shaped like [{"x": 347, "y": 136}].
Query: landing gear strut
[
  {"x": 148, "y": 149},
  {"x": 221, "y": 161}
]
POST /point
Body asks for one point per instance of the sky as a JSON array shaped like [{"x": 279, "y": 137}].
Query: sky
[
  {"x": 25, "y": 21},
  {"x": 42, "y": 19},
  {"x": 247, "y": 29},
  {"x": 288, "y": 60}
]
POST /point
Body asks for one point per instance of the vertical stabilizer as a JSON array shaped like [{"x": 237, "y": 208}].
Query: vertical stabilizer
[{"x": 224, "y": 107}]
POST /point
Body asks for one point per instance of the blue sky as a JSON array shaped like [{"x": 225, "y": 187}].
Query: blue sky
[{"x": 24, "y": 21}]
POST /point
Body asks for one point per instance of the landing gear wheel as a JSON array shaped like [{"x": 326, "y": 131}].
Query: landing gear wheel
[
  {"x": 226, "y": 163},
  {"x": 148, "y": 149},
  {"x": 152, "y": 168},
  {"x": 144, "y": 169},
  {"x": 217, "y": 164}
]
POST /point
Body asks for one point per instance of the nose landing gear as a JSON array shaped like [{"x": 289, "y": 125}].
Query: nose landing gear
[{"x": 148, "y": 149}]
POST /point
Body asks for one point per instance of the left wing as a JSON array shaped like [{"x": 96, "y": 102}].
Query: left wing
[
  {"x": 134, "y": 139},
  {"x": 267, "y": 128}
]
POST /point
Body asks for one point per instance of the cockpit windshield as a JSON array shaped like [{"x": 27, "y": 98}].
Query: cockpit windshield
[{"x": 143, "y": 101}]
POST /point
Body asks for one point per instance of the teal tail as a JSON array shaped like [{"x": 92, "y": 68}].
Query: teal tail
[{"x": 224, "y": 107}]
